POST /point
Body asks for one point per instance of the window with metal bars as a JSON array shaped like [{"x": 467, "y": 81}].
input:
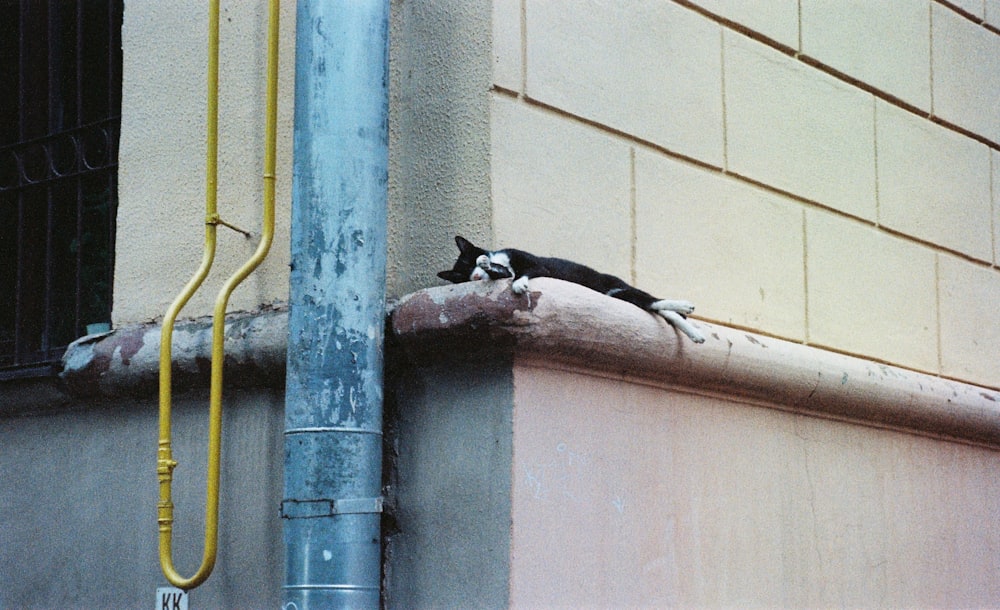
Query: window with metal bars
[{"x": 60, "y": 112}]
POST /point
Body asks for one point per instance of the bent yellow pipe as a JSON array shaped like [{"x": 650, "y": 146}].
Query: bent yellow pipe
[{"x": 165, "y": 461}]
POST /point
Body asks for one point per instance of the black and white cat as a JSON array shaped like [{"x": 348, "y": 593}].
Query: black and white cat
[{"x": 475, "y": 263}]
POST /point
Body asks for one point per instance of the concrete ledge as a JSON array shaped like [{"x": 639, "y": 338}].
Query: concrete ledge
[
  {"x": 126, "y": 361},
  {"x": 562, "y": 324}
]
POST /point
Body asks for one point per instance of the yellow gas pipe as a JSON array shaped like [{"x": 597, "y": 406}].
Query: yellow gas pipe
[{"x": 165, "y": 461}]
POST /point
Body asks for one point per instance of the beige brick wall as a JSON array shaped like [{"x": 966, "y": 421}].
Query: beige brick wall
[
  {"x": 965, "y": 61},
  {"x": 656, "y": 45},
  {"x": 826, "y": 172},
  {"x": 991, "y": 10},
  {"x": 885, "y": 43},
  {"x": 588, "y": 202},
  {"x": 798, "y": 130},
  {"x": 745, "y": 267}
]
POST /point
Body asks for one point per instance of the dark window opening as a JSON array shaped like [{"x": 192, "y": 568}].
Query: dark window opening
[{"x": 61, "y": 110}]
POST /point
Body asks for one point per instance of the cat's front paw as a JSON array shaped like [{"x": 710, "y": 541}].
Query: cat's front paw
[{"x": 520, "y": 285}]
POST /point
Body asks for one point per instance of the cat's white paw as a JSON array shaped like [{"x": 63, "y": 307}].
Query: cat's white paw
[
  {"x": 681, "y": 307},
  {"x": 520, "y": 285},
  {"x": 682, "y": 324},
  {"x": 483, "y": 261}
]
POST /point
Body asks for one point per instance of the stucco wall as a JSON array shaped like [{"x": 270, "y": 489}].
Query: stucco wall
[
  {"x": 629, "y": 495},
  {"x": 161, "y": 210},
  {"x": 439, "y": 136},
  {"x": 820, "y": 171},
  {"x": 78, "y": 494},
  {"x": 647, "y": 471}
]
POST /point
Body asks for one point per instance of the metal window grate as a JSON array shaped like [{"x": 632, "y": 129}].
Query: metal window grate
[{"x": 58, "y": 175}]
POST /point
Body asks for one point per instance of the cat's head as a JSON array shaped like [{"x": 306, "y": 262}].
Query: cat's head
[
  {"x": 465, "y": 268},
  {"x": 472, "y": 264}
]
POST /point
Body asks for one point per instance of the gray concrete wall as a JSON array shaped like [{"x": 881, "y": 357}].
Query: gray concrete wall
[
  {"x": 78, "y": 494},
  {"x": 451, "y": 451}
]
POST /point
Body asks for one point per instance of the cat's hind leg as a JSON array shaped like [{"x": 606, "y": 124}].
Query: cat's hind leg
[
  {"x": 682, "y": 324},
  {"x": 673, "y": 311}
]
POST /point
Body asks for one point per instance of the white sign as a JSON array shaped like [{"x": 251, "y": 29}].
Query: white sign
[{"x": 169, "y": 598}]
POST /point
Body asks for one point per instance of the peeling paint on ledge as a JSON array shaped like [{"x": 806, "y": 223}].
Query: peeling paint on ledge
[
  {"x": 565, "y": 325},
  {"x": 126, "y": 361}
]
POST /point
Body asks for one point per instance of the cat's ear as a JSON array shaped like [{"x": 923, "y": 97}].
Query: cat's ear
[
  {"x": 455, "y": 277},
  {"x": 464, "y": 245}
]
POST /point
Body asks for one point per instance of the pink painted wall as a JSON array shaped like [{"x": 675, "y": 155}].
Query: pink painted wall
[{"x": 627, "y": 495}]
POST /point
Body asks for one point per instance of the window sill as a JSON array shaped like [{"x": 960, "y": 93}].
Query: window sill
[{"x": 126, "y": 361}]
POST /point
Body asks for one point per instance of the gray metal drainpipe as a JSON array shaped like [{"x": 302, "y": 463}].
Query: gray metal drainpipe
[{"x": 333, "y": 400}]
